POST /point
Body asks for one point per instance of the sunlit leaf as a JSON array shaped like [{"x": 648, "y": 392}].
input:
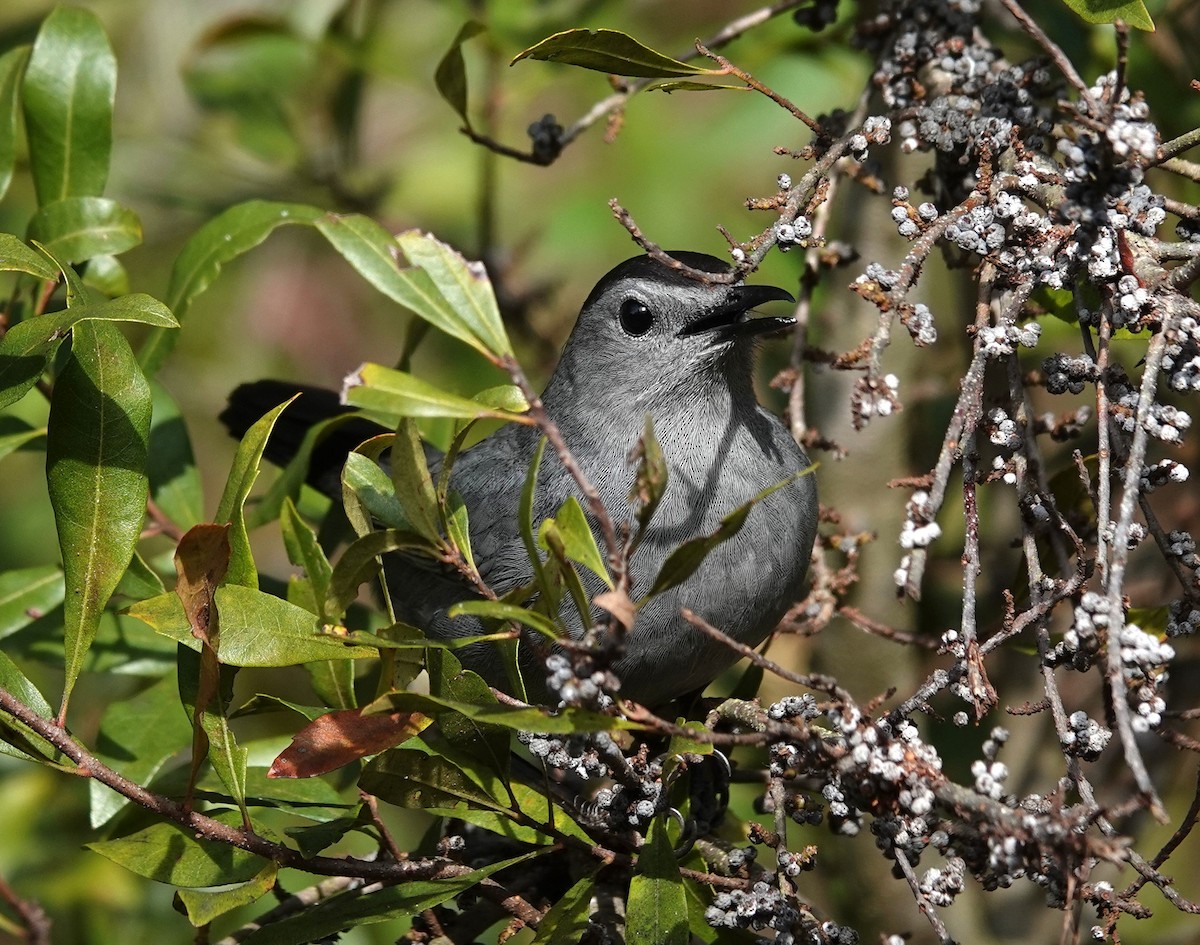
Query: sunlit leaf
[
  {"x": 1132, "y": 12},
  {"x": 68, "y": 92},
  {"x": 95, "y": 468},
  {"x": 202, "y": 906},
  {"x": 498, "y": 610},
  {"x": 106, "y": 275},
  {"x": 16, "y": 740},
  {"x": 77, "y": 228},
  {"x": 26, "y": 348},
  {"x": 232, "y": 507},
  {"x": 657, "y": 910},
  {"x": 413, "y": 483},
  {"x": 221, "y": 240},
  {"x": 395, "y": 394},
  {"x": 578, "y": 541},
  {"x": 568, "y": 919},
  {"x": 608, "y": 51},
  {"x": 168, "y": 853},
  {"x": 684, "y": 560},
  {"x": 16, "y": 434},
  {"x": 257, "y": 629},
  {"x": 15, "y": 256}
]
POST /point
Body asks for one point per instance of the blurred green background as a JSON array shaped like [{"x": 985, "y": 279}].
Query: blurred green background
[{"x": 333, "y": 103}]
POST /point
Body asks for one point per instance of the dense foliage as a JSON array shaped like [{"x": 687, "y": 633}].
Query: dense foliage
[{"x": 986, "y": 699}]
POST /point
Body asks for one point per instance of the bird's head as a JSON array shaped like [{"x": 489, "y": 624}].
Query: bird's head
[{"x": 647, "y": 327}]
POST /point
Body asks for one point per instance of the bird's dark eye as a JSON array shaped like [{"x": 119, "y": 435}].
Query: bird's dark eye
[{"x": 635, "y": 317}]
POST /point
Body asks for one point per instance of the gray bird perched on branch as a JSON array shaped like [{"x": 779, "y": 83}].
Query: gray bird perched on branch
[{"x": 649, "y": 340}]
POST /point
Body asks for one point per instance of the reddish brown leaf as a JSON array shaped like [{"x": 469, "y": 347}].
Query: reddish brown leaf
[
  {"x": 201, "y": 560},
  {"x": 338, "y": 738}
]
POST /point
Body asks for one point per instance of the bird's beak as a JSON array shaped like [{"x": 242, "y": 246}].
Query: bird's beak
[{"x": 729, "y": 315}]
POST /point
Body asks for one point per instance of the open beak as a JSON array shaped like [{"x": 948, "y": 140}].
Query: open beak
[{"x": 730, "y": 316}]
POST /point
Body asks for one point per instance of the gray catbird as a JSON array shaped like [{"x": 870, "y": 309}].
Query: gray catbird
[{"x": 648, "y": 340}]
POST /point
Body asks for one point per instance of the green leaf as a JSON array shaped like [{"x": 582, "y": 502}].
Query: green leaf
[
  {"x": 232, "y": 509},
  {"x": 15, "y": 256},
  {"x": 222, "y": 239},
  {"x": 567, "y": 920},
  {"x": 27, "y": 347},
  {"x": 650, "y": 480},
  {"x": 441, "y": 287},
  {"x": 415, "y": 780},
  {"x": 412, "y": 481},
  {"x": 175, "y": 482},
  {"x": 458, "y": 528},
  {"x": 27, "y": 594},
  {"x": 352, "y": 909},
  {"x": 657, "y": 910},
  {"x": 16, "y": 434},
  {"x": 358, "y": 563},
  {"x": 138, "y": 750},
  {"x": 464, "y": 287},
  {"x": 609, "y": 51},
  {"x": 16, "y": 740},
  {"x": 96, "y": 473},
  {"x": 395, "y": 395},
  {"x": 498, "y": 610},
  {"x": 203, "y": 907},
  {"x": 107, "y": 276},
  {"x": 451, "y": 75},
  {"x": 366, "y": 481},
  {"x": 77, "y": 228},
  {"x": 257, "y": 629},
  {"x": 1133, "y": 12},
  {"x": 578, "y": 541},
  {"x": 525, "y": 523},
  {"x": 168, "y": 853},
  {"x": 12, "y": 65},
  {"x": 684, "y": 560},
  {"x": 304, "y": 551},
  {"x": 68, "y": 92},
  {"x": 683, "y": 85}
]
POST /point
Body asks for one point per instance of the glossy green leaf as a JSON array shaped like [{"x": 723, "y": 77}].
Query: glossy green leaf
[
  {"x": 28, "y": 345},
  {"x": 578, "y": 540},
  {"x": 650, "y": 480},
  {"x": 684, "y": 560},
  {"x": 26, "y": 594},
  {"x": 16, "y": 740},
  {"x": 232, "y": 507},
  {"x": 464, "y": 286},
  {"x": 96, "y": 445},
  {"x": 68, "y": 92},
  {"x": 1132, "y": 12},
  {"x": 412, "y": 481},
  {"x": 221, "y": 240},
  {"x": 502, "y": 397},
  {"x": 416, "y": 780},
  {"x": 437, "y": 285},
  {"x": 168, "y": 853},
  {"x": 138, "y": 750},
  {"x": 107, "y": 276},
  {"x": 352, "y": 909},
  {"x": 175, "y": 482},
  {"x": 358, "y": 563},
  {"x": 304, "y": 551},
  {"x": 567, "y": 920},
  {"x": 77, "y": 228},
  {"x": 498, "y": 610},
  {"x": 458, "y": 528},
  {"x": 395, "y": 395},
  {"x": 451, "y": 75},
  {"x": 12, "y": 66},
  {"x": 15, "y": 256},
  {"x": 203, "y": 907},
  {"x": 609, "y": 51},
  {"x": 656, "y": 913},
  {"x": 16, "y": 434},
  {"x": 257, "y": 629},
  {"x": 364, "y": 480}
]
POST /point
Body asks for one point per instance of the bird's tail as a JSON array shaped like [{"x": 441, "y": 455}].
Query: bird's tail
[{"x": 249, "y": 402}]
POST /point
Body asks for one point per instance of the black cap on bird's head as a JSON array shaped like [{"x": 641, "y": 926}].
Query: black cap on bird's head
[{"x": 687, "y": 306}]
